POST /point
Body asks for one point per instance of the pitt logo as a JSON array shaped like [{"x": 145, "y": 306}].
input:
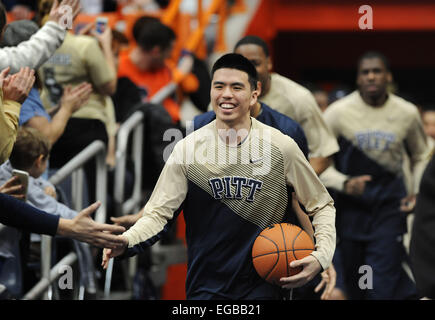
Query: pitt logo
[
  {"x": 221, "y": 188},
  {"x": 378, "y": 140}
]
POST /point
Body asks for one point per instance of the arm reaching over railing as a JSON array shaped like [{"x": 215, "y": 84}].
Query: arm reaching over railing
[
  {"x": 17, "y": 214},
  {"x": 83, "y": 228}
]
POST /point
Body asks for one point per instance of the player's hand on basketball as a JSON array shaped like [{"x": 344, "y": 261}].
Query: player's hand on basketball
[
  {"x": 310, "y": 267},
  {"x": 112, "y": 253},
  {"x": 356, "y": 185},
  {"x": 329, "y": 278}
]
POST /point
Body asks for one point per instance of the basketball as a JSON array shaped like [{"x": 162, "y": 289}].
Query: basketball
[{"x": 275, "y": 247}]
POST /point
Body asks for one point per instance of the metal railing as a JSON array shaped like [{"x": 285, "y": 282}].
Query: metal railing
[
  {"x": 134, "y": 126},
  {"x": 96, "y": 150}
]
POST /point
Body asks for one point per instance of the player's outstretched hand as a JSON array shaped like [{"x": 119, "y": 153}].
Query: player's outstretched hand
[
  {"x": 83, "y": 228},
  {"x": 112, "y": 253},
  {"x": 329, "y": 278},
  {"x": 310, "y": 266}
]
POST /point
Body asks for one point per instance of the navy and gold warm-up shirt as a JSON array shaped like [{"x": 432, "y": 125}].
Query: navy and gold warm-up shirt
[
  {"x": 229, "y": 194},
  {"x": 373, "y": 141}
]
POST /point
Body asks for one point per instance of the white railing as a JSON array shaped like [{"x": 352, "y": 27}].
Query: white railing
[
  {"x": 133, "y": 125},
  {"x": 74, "y": 167}
]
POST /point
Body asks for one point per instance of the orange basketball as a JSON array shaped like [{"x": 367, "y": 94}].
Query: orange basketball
[{"x": 275, "y": 247}]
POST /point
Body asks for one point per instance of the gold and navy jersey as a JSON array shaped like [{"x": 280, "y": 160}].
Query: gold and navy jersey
[
  {"x": 229, "y": 194},
  {"x": 373, "y": 141}
]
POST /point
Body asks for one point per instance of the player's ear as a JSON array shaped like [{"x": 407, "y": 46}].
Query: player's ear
[
  {"x": 254, "y": 95},
  {"x": 269, "y": 64},
  {"x": 259, "y": 88},
  {"x": 389, "y": 77}
]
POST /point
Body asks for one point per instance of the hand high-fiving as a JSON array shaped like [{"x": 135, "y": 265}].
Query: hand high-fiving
[{"x": 65, "y": 11}]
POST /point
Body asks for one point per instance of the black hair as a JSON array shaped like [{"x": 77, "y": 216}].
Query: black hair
[
  {"x": 239, "y": 62},
  {"x": 428, "y": 107},
  {"x": 2, "y": 16},
  {"x": 155, "y": 33},
  {"x": 29, "y": 145},
  {"x": 253, "y": 40},
  {"x": 372, "y": 55},
  {"x": 140, "y": 23}
]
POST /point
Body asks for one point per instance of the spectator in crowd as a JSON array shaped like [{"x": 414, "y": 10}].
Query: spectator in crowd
[
  {"x": 15, "y": 213},
  {"x": 30, "y": 154},
  {"x": 374, "y": 128},
  {"x": 79, "y": 59},
  {"x": 30, "y": 53},
  {"x": 291, "y": 99},
  {"x": 14, "y": 91},
  {"x": 145, "y": 64},
  {"x": 20, "y": 9},
  {"x": 33, "y": 114},
  {"x": 191, "y": 73},
  {"x": 34, "y": 52}
]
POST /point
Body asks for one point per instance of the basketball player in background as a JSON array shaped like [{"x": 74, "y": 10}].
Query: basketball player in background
[
  {"x": 227, "y": 199},
  {"x": 374, "y": 129},
  {"x": 291, "y": 99}
]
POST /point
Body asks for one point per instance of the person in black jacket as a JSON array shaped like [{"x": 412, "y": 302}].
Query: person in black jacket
[
  {"x": 422, "y": 244},
  {"x": 15, "y": 213}
]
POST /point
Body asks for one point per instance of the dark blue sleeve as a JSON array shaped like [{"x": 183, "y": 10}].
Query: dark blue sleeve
[
  {"x": 203, "y": 119},
  {"x": 301, "y": 140},
  {"x": 284, "y": 124},
  {"x": 17, "y": 214}
]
